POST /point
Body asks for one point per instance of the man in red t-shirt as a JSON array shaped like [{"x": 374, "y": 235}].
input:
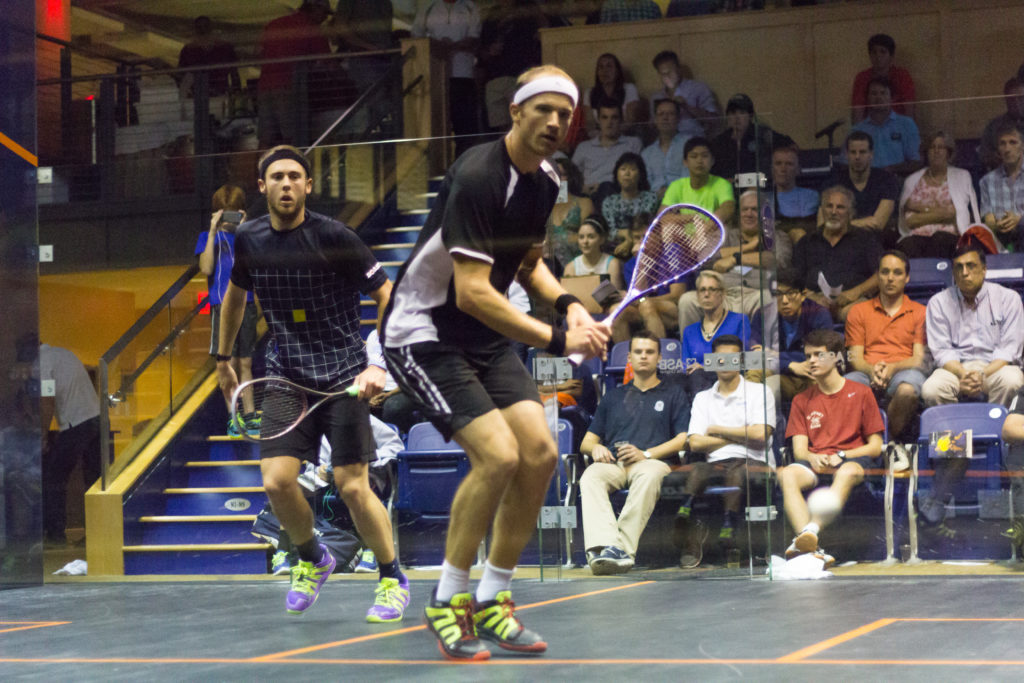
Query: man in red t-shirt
[
  {"x": 836, "y": 429},
  {"x": 881, "y": 50}
]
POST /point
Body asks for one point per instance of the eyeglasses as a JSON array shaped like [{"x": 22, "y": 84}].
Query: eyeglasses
[
  {"x": 708, "y": 290},
  {"x": 788, "y": 294}
]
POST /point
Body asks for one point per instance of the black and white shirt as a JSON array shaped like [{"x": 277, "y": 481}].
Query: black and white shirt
[
  {"x": 308, "y": 281},
  {"x": 487, "y": 210}
]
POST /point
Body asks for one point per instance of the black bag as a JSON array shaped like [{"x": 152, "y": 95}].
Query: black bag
[{"x": 343, "y": 545}]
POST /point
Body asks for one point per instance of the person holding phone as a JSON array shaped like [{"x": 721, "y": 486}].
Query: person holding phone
[{"x": 216, "y": 250}]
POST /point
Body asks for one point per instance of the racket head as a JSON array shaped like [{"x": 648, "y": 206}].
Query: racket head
[{"x": 283, "y": 405}]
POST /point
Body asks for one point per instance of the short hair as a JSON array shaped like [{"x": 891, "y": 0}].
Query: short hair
[
  {"x": 833, "y": 341},
  {"x": 896, "y": 253},
  {"x": 644, "y": 333},
  {"x": 693, "y": 143},
  {"x": 843, "y": 190},
  {"x": 711, "y": 275},
  {"x": 966, "y": 247},
  {"x": 573, "y": 175},
  {"x": 882, "y": 40},
  {"x": 879, "y": 80},
  {"x": 947, "y": 140},
  {"x": 274, "y": 150},
  {"x": 1008, "y": 128},
  {"x": 726, "y": 340},
  {"x": 608, "y": 105},
  {"x": 665, "y": 56},
  {"x": 790, "y": 277},
  {"x": 666, "y": 100},
  {"x": 643, "y": 184},
  {"x": 862, "y": 136},
  {"x": 228, "y": 198},
  {"x": 536, "y": 72},
  {"x": 750, "y": 193},
  {"x": 788, "y": 149}
]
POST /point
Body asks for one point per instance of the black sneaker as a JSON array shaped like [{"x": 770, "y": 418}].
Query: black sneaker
[
  {"x": 452, "y": 623},
  {"x": 612, "y": 560},
  {"x": 497, "y": 622}
]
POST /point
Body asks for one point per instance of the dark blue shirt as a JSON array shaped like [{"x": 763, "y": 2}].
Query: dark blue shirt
[{"x": 642, "y": 418}]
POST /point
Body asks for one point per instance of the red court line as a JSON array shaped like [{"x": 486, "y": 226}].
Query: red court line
[
  {"x": 28, "y": 625},
  {"x": 387, "y": 634}
]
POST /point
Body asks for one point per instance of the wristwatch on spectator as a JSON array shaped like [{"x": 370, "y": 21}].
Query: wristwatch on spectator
[
  {"x": 841, "y": 454},
  {"x": 647, "y": 454}
]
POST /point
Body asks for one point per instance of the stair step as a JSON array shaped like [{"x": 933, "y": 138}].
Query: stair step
[
  {"x": 215, "y": 489},
  {"x": 393, "y": 245},
  {"x": 223, "y": 463},
  {"x": 162, "y": 519},
  {"x": 192, "y": 530},
  {"x": 204, "y": 558},
  {"x": 219, "y": 500},
  {"x": 221, "y": 473},
  {"x": 406, "y": 228},
  {"x": 197, "y": 547}
]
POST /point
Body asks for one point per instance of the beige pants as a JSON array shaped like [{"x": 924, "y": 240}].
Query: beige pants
[
  {"x": 600, "y": 528},
  {"x": 999, "y": 387},
  {"x": 745, "y": 300}
]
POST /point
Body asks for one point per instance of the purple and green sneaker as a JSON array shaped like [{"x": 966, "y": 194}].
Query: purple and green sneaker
[
  {"x": 390, "y": 600},
  {"x": 307, "y": 578}
]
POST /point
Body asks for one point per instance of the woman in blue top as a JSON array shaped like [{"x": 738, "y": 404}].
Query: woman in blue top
[{"x": 715, "y": 321}]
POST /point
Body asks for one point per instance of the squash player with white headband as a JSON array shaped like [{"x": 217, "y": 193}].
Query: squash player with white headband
[{"x": 446, "y": 341}]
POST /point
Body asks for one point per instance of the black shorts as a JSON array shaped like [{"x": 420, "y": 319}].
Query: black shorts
[
  {"x": 453, "y": 386},
  {"x": 245, "y": 340},
  {"x": 344, "y": 421}
]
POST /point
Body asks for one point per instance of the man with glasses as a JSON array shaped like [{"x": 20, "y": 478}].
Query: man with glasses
[{"x": 976, "y": 334}]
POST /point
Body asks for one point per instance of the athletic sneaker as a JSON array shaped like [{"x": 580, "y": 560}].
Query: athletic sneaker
[
  {"x": 252, "y": 423},
  {"x": 806, "y": 541},
  {"x": 693, "y": 552},
  {"x": 282, "y": 562},
  {"x": 391, "y": 599},
  {"x": 234, "y": 431},
  {"x": 827, "y": 559},
  {"x": 612, "y": 560},
  {"x": 900, "y": 458},
  {"x": 307, "y": 579},
  {"x": 367, "y": 563},
  {"x": 497, "y": 622},
  {"x": 452, "y": 623}
]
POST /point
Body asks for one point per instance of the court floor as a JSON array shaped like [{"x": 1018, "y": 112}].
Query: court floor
[{"x": 690, "y": 628}]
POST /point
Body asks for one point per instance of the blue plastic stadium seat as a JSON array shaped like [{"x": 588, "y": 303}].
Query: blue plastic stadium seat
[
  {"x": 430, "y": 470},
  {"x": 928, "y": 276}
]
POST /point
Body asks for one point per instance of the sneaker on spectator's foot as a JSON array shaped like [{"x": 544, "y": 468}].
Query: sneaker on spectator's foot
[
  {"x": 367, "y": 563},
  {"x": 497, "y": 622},
  {"x": 693, "y": 551},
  {"x": 900, "y": 458},
  {"x": 806, "y": 541},
  {"x": 930, "y": 512},
  {"x": 307, "y": 579},
  {"x": 827, "y": 560},
  {"x": 390, "y": 600},
  {"x": 452, "y": 623},
  {"x": 612, "y": 560},
  {"x": 234, "y": 431},
  {"x": 282, "y": 562}
]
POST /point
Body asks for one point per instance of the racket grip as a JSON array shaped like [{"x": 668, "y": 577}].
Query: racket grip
[
  {"x": 352, "y": 391},
  {"x": 577, "y": 358}
]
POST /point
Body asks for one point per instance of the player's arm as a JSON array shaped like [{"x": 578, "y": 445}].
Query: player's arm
[{"x": 232, "y": 310}]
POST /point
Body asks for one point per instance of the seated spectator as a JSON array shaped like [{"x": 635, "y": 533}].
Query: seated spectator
[
  {"x": 744, "y": 264},
  {"x": 567, "y": 216},
  {"x": 796, "y": 208},
  {"x": 610, "y": 90},
  {"x": 592, "y": 260},
  {"x": 613, "y": 11},
  {"x": 881, "y": 50},
  {"x": 632, "y": 196},
  {"x": 658, "y": 312},
  {"x": 695, "y": 100},
  {"x": 1013, "y": 461},
  {"x": 836, "y": 430},
  {"x": 897, "y": 140},
  {"x": 390, "y": 405},
  {"x": 731, "y": 423},
  {"x": 637, "y": 427},
  {"x": 664, "y": 156},
  {"x": 1002, "y": 191},
  {"x": 875, "y": 190},
  {"x": 786, "y": 323},
  {"x": 837, "y": 264},
  {"x": 745, "y": 146},
  {"x": 886, "y": 343},
  {"x": 205, "y": 49},
  {"x": 596, "y": 157},
  {"x": 715, "y": 322},
  {"x": 701, "y": 188},
  {"x": 1013, "y": 96},
  {"x": 938, "y": 203},
  {"x": 975, "y": 332}
]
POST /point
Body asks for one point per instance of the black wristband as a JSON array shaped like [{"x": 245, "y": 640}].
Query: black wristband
[
  {"x": 556, "y": 347},
  {"x": 739, "y": 257},
  {"x": 563, "y": 302},
  {"x": 221, "y": 357}
]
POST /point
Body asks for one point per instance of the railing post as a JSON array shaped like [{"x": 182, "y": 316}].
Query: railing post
[
  {"x": 203, "y": 136},
  {"x": 104, "y": 422},
  {"x": 66, "y": 127},
  {"x": 106, "y": 131}
]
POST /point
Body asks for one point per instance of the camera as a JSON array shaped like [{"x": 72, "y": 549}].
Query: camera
[{"x": 232, "y": 217}]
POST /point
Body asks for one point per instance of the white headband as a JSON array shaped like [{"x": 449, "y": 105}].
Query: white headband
[{"x": 558, "y": 84}]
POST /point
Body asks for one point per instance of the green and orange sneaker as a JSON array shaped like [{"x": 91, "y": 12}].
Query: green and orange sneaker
[
  {"x": 497, "y": 622},
  {"x": 452, "y": 623}
]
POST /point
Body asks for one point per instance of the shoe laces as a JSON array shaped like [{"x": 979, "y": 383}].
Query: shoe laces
[
  {"x": 507, "y": 608},
  {"x": 304, "y": 577},
  {"x": 387, "y": 593}
]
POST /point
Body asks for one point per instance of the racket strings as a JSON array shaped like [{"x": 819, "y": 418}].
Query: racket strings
[
  {"x": 283, "y": 406},
  {"x": 676, "y": 243}
]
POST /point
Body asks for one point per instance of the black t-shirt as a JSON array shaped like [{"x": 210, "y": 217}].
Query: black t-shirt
[
  {"x": 308, "y": 281},
  {"x": 486, "y": 210},
  {"x": 642, "y": 418},
  {"x": 881, "y": 185},
  {"x": 852, "y": 260}
]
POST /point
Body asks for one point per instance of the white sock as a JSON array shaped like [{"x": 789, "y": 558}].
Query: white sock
[
  {"x": 453, "y": 581},
  {"x": 494, "y": 580},
  {"x": 813, "y": 528}
]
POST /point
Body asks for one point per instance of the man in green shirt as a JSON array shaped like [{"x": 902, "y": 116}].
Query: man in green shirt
[{"x": 701, "y": 189}]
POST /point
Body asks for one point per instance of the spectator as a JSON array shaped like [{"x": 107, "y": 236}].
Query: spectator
[
  {"x": 657, "y": 312},
  {"x": 613, "y": 11},
  {"x": 696, "y": 103},
  {"x": 976, "y": 334},
  {"x": 789, "y": 319},
  {"x": 207, "y": 50},
  {"x": 610, "y": 90},
  {"x": 664, "y": 156},
  {"x": 938, "y": 203},
  {"x": 715, "y": 322},
  {"x": 837, "y": 264},
  {"x": 567, "y": 216},
  {"x": 596, "y": 157},
  {"x": 1013, "y": 96},
  {"x": 216, "y": 250},
  {"x": 796, "y": 208},
  {"x": 1002, "y": 191},
  {"x": 744, "y": 146},
  {"x": 632, "y": 196},
  {"x": 875, "y": 190},
  {"x": 701, "y": 188},
  {"x": 881, "y": 50},
  {"x": 836, "y": 430},
  {"x": 744, "y": 264},
  {"x": 886, "y": 343},
  {"x": 509, "y": 45},
  {"x": 592, "y": 260},
  {"x": 645, "y": 423},
  {"x": 897, "y": 140},
  {"x": 295, "y": 35},
  {"x": 731, "y": 423},
  {"x": 453, "y": 27}
]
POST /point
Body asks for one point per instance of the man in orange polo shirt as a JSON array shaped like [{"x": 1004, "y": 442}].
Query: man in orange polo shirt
[{"x": 885, "y": 339}]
